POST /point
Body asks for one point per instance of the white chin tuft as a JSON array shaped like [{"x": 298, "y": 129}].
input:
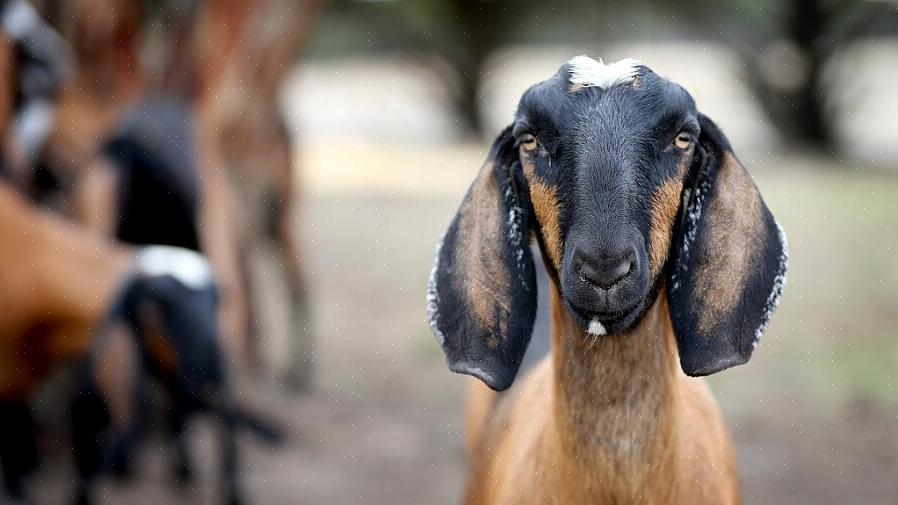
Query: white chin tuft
[{"x": 596, "y": 328}]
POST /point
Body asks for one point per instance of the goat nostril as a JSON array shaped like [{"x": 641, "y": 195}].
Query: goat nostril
[{"x": 604, "y": 278}]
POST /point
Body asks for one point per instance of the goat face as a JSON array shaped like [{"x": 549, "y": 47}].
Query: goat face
[
  {"x": 171, "y": 305},
  {"x": 627, "y": 188},
  {"x": 604, "y": 151}
]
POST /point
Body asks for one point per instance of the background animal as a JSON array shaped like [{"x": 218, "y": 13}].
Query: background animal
[{"x": 66, "y": 309}]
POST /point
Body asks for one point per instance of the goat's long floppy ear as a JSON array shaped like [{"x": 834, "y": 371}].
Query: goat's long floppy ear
[
  {"x": 481, "y": 297},
  {"x": 728, "y": 262}
]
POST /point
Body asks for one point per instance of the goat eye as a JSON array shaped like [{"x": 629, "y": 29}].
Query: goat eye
[
  {"x": 528, "y": 142},
  {"x": 683, "y": 141}
]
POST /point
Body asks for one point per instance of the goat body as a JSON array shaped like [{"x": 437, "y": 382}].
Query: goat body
[
  {"x": 603, "y": 420},
  {"x": 56, "y": 283}
]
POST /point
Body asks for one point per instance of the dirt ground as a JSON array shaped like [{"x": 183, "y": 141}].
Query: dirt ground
[{"x": 814, "y": 415}]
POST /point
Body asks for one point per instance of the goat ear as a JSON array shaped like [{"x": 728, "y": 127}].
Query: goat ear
[
  {"x": 481, "y": 297},
  {"x": 729, "y": 261}
]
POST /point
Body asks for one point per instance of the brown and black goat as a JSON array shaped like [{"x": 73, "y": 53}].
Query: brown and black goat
[
  {"x": 63, "y": 292},
  {"x": 666, "y": 264}
]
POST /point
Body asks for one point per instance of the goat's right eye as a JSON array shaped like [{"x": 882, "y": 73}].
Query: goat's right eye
[
  {"x": 528, "y": 142},
  {"x": 684, "y": 140}
]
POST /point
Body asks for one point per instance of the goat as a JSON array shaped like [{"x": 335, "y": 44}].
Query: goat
[
  {"x": 665, "y": 263},
  {"x": 157, "y": 178},
  {"x": 260, "y": 153},
  {"x": 61, "y": 286}
]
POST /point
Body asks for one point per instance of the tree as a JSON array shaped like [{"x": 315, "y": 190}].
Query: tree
[{"x": 787, "y": 48}]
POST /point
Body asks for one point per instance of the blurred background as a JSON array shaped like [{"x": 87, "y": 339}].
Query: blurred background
[{"x": 332, "y": 143}]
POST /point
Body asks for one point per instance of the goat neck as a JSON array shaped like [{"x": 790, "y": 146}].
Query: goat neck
[{"x": 614, "y": 395}]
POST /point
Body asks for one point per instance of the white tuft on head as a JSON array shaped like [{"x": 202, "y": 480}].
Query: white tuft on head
[
  {"x": 189, "y": 267},
  {"x": 596, "y": 328},
  {"x": 585, "y": 71}
]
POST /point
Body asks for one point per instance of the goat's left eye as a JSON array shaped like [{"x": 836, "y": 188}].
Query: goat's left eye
[
  {"x": 684, "y": 140},
  {"x": 528, "y": 142}
]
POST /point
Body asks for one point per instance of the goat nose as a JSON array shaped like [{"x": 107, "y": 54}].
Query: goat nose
[{"x": 606, "y": 274}]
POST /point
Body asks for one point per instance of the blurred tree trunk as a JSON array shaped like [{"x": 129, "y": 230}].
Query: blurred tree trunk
[
  {"x": 807, "y": 23},
  {"x": 802, "y": 102},
  {"x": 799, "y": 110},
  {"x": 481, "y": 23}
]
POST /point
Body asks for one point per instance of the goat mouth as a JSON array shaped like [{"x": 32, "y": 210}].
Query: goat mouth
[{"x": 601, "y": 322}]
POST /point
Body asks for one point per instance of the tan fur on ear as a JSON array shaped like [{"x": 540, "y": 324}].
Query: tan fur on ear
[
  {"x": 487, "y": 282},
  {"x": 734, "y": 218}
]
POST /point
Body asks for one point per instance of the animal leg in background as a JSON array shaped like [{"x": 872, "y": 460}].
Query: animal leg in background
[{"x": 18, "y": 451}]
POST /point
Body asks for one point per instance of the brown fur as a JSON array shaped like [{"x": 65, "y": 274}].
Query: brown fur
[
  {"x": 544, "y": 199},
  {"x": 605, "y": 420},
  {"x": 114, "y": 365},
  {"x": 665, "y": 204},
  {"x": 734, "y": 217},
  {"x": 478, "y": 408},
  {"x": 56, "y": 283},
  {"x": 488, "y": 282}
]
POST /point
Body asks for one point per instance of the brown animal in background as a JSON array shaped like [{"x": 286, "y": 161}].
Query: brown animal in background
[
  {"x": 61, "y": 289},
  {"x": 665, "y": 263},
  {"x": 58, "y": 281},
  {"x": 260, "y": 155},
  {"x": 123, "y": 134},
  {"x": 116, "y": 99}
]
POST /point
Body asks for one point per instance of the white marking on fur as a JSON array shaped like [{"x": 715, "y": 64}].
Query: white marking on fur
[
  {"x": 33, "y": 126},
  {"x": 433, "y": 298},
  {"x": 189, "y": 267},
  {"x": 515, "y": 237},
  {"x": 596, "y": 328},
  {"x": 693, "y": 215},
  {"x": 779, "y": 283},
  {"x": 19, "y": 19},
  {"x": 588, "y": 72}
]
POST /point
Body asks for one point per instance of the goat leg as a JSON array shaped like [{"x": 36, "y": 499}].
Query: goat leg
[
  {"x": 182, "y": 467},
  {"x": 89, "y": 418},
  {"x": 18, "y": 452},
  {"x": 230, "y": 459}
]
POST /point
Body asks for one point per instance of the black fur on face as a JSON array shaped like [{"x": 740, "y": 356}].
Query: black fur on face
[
  {"x": 609, "y": 164},
  {"x": 627, "y": 188}
]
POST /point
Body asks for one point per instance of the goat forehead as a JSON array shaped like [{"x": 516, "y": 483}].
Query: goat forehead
[
  {"x": 586, "y": 94},
  {"x": 585, "y": 71}
]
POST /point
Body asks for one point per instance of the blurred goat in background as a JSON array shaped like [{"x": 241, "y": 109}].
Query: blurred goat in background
[
  {"x": 170, "y": 125},
  {"x": 138, "y": 154},
  {"x": 112, "y": 311}
]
